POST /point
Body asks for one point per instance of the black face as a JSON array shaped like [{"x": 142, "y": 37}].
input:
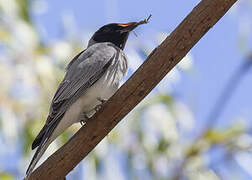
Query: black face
[{"x": 114, "y": 33}]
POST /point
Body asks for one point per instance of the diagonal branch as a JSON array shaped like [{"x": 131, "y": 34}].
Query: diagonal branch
[{"x": 157, "y": 65}]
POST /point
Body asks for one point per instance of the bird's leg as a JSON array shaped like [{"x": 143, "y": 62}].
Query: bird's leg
[
  {"x": 83, "y": 118},
  {"x": 101, "y": 100},
  {"x": 82, "y": 122},
  {"x": 98, "y": 107}
]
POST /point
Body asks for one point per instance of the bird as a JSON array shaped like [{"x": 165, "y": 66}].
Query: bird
[{"x": 91, "y": 78}]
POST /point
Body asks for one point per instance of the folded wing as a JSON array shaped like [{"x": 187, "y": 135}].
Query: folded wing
[{"x": 83, "y": 71}]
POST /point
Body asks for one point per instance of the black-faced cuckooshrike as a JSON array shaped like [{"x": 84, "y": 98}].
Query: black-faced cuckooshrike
[{"x": 92, "y": 77}]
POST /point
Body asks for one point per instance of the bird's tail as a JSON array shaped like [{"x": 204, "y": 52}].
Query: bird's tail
[
  {"x": 39, "y": 152},
  {"x": 44, "y": 143}
]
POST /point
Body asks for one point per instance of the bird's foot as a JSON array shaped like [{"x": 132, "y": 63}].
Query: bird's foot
[
  {"x": 99, "y": 106},
  {"x": 82, "y": 122},
  {"x": 102, "y": 100},
  {"x": 83, "y": 119}
]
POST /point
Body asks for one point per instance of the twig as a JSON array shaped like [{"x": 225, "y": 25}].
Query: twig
[{"x": 145, "y": 21}]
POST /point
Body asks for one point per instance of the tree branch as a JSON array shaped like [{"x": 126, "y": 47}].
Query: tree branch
[{"x": 157, "y": 65}]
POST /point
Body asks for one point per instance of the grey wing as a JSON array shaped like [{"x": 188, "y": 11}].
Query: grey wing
[{"x": 83, "y": 73}]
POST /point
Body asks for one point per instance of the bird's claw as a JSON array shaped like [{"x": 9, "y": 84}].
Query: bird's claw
[
  {"x": 102, "y": 100},
  {"x": 84, "y": 119},
  {"x": 99, "y": 106},
  {"x": 82, "y": 122}
]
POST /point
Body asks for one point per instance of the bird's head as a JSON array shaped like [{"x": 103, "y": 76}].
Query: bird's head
[{"x": 115, "y": 33}]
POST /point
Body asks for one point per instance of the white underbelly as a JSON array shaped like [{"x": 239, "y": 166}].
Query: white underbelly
[
  {"x": 86, "y": 104},
  {"x": 104, "y": 88}
]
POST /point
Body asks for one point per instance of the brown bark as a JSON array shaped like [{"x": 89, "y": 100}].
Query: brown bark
[{"x": 157, "y": 65}]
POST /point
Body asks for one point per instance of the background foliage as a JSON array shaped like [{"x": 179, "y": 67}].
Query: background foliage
[{"x": 165, "y": 137}]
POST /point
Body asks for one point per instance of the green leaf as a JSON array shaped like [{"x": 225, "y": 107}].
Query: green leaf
[
  {"x": 24, "y": 7},
  {"x": 162, "y": 145},
  {"x": 222, "y": 136},
  {"x": 5, "y": 176}
]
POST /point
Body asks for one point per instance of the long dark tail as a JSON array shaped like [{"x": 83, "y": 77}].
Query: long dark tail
[
  {"x": 39, "y": 152},
  {"x": 45, "y": 140}
]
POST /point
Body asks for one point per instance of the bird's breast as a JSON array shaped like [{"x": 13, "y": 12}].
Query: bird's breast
[{"x": 105, "y": 87}]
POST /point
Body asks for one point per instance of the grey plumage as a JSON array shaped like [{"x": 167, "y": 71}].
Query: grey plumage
[{"x": 94, "y": 73}]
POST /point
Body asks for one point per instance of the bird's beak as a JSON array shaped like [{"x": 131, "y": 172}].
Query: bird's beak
[
  {"x": 132, "y": 25},
  {"x": 128, "y": 27}
]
